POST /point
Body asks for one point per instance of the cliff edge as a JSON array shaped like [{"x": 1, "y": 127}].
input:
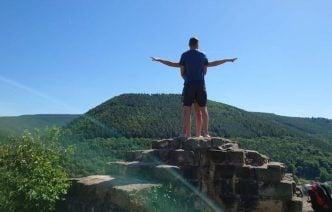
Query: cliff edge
[{"x": 213, "y": 174}]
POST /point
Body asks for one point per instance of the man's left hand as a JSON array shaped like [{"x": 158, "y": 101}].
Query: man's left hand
[{"x": 155, "y": 59}]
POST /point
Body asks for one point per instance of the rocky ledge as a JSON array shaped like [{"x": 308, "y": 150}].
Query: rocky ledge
[{"x": 220, "y": 175}]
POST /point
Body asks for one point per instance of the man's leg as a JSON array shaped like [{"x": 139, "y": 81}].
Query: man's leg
[
  {"x": 184, "y": 128},
  {"x": 188, "y": 99},
  {"x": 205, "y": 119},
  {"x": 201, "y": 97},
  {"x": 189, "y": 124},
  {"x": 198, "y": 118},
  {"x": 186, "y": 124}
]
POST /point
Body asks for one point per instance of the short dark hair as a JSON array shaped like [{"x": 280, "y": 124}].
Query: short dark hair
[{"x": 193, "y": 41}]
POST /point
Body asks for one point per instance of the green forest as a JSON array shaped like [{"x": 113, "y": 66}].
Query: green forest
[
  {"x": 17, "y": 124},
  {"x": 131, "y": 121},
  {"x": 304, "y": 144},
  {"x": 84, "y": 144}
]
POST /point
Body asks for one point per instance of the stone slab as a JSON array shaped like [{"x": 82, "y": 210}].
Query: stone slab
[
  {"x": 181, "y": 157},
  {"x": 235, "y": 157},
  {"x": 255, "y": 159},
  {"x": 106, "y": 193},
  {"x": 277, "y": 191},
  {"x": 196, "y": 143}
]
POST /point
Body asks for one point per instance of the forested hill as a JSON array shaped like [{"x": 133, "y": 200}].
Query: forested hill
[
  {"x": 17, "y": 124},
  {"x": 314, "y": 127},
  {"x": 159, "y": 116},
  {"x": 303, "y": 144}
]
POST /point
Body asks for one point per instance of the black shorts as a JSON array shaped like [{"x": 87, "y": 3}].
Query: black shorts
[
  {"x": 182, "y": 96},
  {"x": 194, "y": 92}
]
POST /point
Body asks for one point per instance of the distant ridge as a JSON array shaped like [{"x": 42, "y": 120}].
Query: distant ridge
[
  {"x": 315, "y": 127},
  {"x": 16, "y": 124}
]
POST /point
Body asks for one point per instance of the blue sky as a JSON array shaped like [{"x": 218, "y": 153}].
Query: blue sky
[{"x": 69, "y": 56}]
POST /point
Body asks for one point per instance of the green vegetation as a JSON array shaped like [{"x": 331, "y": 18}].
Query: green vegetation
[
  {"x": 130, "y": 122},
  {"x": 303, "y": 158},
  {"x": 3, "y": 135},
  {"x": 303, "y": 144},
  {"x": 140, "y": 115},
  {"x": 35, "y": 167},
  {"x": 31, "y": 172},
  {"x": 314, "y": 127},
  {"x": 17, "y": 124},
  {"x": 159, "y": 116},
  {"x": 92, "y": 155}
]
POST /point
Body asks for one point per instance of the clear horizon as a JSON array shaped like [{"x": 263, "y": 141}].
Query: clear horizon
[{"x": 68, "y": 57}]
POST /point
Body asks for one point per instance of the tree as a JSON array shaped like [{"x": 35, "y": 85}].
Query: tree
[{"x": 32, "y": 177}]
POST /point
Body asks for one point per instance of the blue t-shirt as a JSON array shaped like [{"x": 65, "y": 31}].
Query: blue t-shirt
[{"x": 194, "y": 62}]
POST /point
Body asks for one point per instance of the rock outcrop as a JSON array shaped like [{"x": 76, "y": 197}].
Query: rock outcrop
[{"x": 217, "y": 174}]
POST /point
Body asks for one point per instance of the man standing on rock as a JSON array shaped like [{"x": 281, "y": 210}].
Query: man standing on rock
[{"x": 193, "y": 64}]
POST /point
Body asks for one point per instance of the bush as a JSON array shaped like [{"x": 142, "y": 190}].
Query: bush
[{"x": 32, "y": 177}]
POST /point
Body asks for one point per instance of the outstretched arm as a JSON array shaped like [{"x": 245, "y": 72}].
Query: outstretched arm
[
  {"x": 166, "y": 62},
  {"x": 219, "y": 62}
]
